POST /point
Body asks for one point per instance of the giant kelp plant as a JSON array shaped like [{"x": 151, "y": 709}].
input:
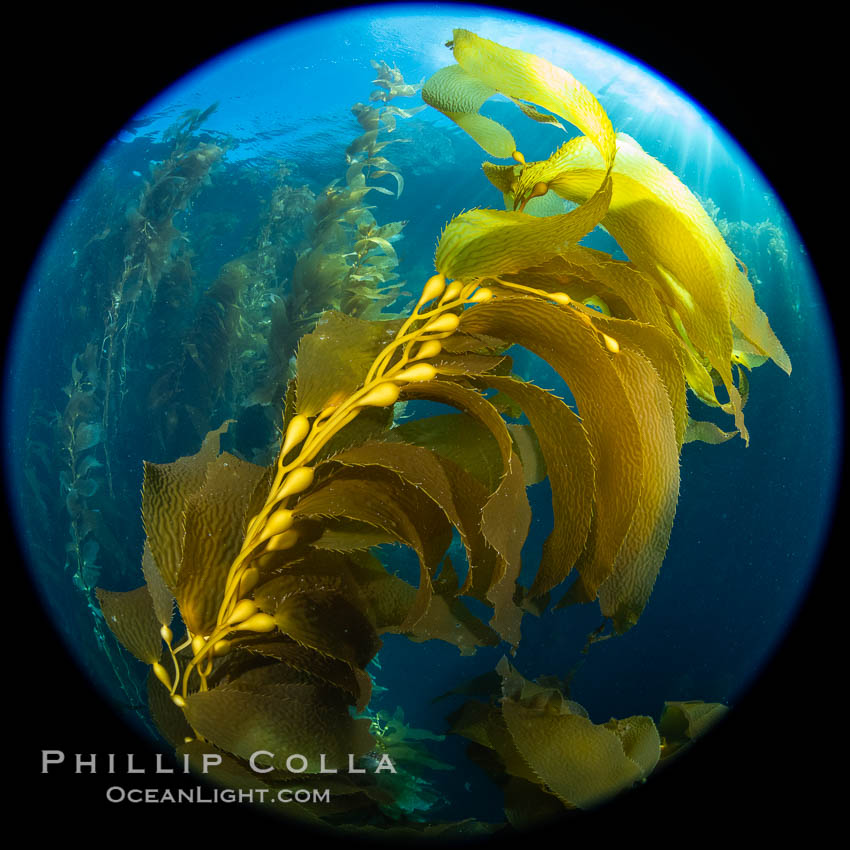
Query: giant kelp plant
[{"x": 281, "y": 593}]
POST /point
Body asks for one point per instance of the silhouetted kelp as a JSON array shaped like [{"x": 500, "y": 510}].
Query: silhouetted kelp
[{"x": 272, "y": 567}]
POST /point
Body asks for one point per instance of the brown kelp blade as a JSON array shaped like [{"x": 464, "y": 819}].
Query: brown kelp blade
[
  {"x": 566, "y": 449},
  {"x": 214, "y": 520},
  {"x": 567, "y": 340},
  {"x": 165, "y": 493},
  {"x": 130, "y": 616},
  {"x": 282, "y": 719},
  {"x": 334, "y": 358},
  {"x": 387, "y": 502}
]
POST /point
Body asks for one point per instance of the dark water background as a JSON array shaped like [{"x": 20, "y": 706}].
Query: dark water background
[{"x": 749, "y": 525}]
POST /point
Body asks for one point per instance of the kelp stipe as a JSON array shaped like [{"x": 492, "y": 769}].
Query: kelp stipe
[{"x": 284, "y": 600}]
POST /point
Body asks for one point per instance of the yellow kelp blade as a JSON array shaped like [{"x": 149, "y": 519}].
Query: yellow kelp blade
[
  {"x": 316, "y": 603},
  {"x": 473, "y": 479},
  {"x": 333, "y": 360},
  {"x": 460, "y": 439},
  {"x": 580, "y": 271},
  {"x": 623, "y": 595},
  {"x": 349, "y": 536},
  {"x": 503, "y": 177},
  {"x": 483, "y": 242},
  {"x": 706, "y": 432},
  {"x": 334, "y": 672},
  {"x": 505, "y": 521},
  {"x": 665, "y": 231},
  {"x": 640, "y": 739},
  {"x": 167, "y": 717},
  {"x": 583, "y": 272},
  {"x": 488, "y": 242},
  {"x": 422, "y": 469},
  {"x": 163, "y": 600},
  {"x": 390, "y": 598},
  {"x": 527, "y": 446},
  {"x": 508, "y": 500},
  {"x": 381, "y": 498},
  {"x": 327, "y": 572},
  {"x": 213, "y": 534},
  {"x": 528, "y": 77},
  {"x": 328, "y": 623},
  {"x": 689, "y": 720},
  {"x": 369, "y": 424},
  {"x": 449, "y": 620},
  {"x": 657, "y": 345},
  {"x": 535, "y": 115},
  {"x": 459, "y": 95}
]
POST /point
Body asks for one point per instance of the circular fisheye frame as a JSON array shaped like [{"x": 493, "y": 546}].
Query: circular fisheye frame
[{"x": 409, "y": 433}]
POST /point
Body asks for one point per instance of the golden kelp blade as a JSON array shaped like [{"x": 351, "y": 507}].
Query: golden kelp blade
[
  {"x": 580, "y": 762},
  {"x": 459, "y": 439},
  {"x": 665, "y": 232},
  {"x": 689, "y": 720},
  {"x": 623, "y": 595},
  {"x": 484, "y": 242},
  {"x": 535, "y": 115},
  {"x": 571, "y": 346},
  {"x": 566, "y": 449},
  {"x": 169, "y": 720},
  {"x": 213, "y": 522},
  {"x": 281, "y": 719},
  {"x": 421, "y": 468},
  {"x": 659, "y": 223},
  {"x": 505, "y": 521},
  {"x": 459, "y": 96},
  {"x": 163, "y": 600},
  {"x": 386, "y": 502},
  {"x": 706, "y": 432},
  {"x": 353, "y": 681},
  {"x": 528, "y": 77},
  {"x": 580, "y": 270},
  {"x": 509, "y": 499},
  {"x": 329, "y": 624}
]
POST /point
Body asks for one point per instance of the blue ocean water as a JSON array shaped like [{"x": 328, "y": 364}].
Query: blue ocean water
[{"x": 751, "y": 520}]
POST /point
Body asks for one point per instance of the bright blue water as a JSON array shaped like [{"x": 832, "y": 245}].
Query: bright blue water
[{"x": 751, "y": 521}]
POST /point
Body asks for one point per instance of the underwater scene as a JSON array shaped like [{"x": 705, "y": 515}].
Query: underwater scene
[{"x": 435, "y": 434}]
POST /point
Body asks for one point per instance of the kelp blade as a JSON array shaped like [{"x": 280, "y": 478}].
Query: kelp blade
[{"x": 491, "y": 242}]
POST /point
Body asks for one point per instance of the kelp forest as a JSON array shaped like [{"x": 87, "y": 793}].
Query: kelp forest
[
  {"x": 178, "y": 347},
  {"x": 307, "y": 406}
]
